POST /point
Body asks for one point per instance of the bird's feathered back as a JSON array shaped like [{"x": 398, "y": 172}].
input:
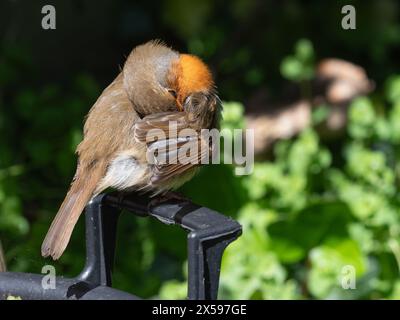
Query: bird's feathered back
[{"x": 146, "y": 77}]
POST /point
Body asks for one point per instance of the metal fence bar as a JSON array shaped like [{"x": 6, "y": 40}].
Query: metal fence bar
[{"x": 209, "y": 234}]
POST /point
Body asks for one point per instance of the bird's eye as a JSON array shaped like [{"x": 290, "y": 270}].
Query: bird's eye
[{"x": 173, "y": 93}]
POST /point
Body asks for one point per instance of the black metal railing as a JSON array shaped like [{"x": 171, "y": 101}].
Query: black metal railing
[{"x": 209, "y": 233}]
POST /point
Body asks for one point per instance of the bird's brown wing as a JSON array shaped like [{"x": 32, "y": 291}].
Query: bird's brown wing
[
  {"x": 147, "y": 129},
  {"x": 177, "y": 150}
]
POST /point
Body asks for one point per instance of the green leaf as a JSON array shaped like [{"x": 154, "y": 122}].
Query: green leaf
[
  {"x": 304, "y": 50},
  {"x": 328, "y": 261},
  {"x": 173, "y": 290},
  {"x": 320, "y": 114},
  {"x": 292, "y": 239},
  {"x": 362, "y": 118},
  {"x": 392, "y": 89},
  {"x": 232, "y": 115}
]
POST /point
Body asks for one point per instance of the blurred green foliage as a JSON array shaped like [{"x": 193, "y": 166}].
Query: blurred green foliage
[
  {"x": 305, "y": 219},
  {"x": 300, "y": 66},
  {"x": 310, "y": 210}
]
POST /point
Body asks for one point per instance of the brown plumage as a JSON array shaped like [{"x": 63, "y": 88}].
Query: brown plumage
[{"x": 156, "y": 86}]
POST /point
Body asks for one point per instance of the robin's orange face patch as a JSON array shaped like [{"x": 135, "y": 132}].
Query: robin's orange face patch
[{"x": 190, "y": 75}]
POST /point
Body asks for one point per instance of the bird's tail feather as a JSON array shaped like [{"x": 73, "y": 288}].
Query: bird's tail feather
[{"x": 78, "y": 196}]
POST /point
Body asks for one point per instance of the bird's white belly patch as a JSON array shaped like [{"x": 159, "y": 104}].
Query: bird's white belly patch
[{"x": 124, "y": 172}]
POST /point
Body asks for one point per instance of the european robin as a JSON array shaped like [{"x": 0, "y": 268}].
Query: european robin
[{"x": 156, "y": 86}]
